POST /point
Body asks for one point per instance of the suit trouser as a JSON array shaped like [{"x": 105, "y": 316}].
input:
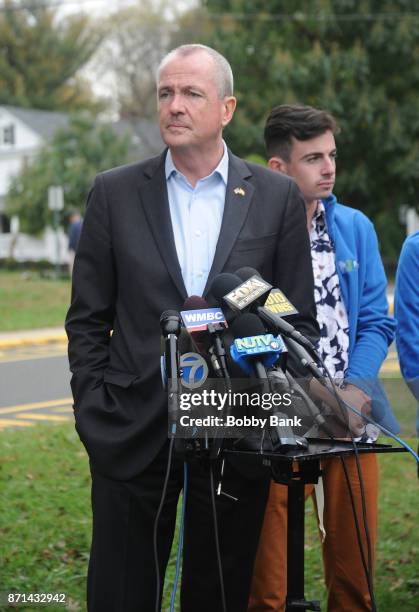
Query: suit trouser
[
  {"x": 347, "y": 589},
  {"x": 122, "y": 575}
]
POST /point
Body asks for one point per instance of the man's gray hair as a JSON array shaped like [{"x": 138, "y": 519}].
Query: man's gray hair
[{"x": 223, "y": 72}]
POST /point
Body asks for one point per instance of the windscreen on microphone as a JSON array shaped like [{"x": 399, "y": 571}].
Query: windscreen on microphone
[
  {"x": 223, "y": 284},
  {"x": 170, "y": 322},
  {"x": 247, "y": 272},
  {"x": 195, "y": 302},
  {"x": 247, "y": 324}
]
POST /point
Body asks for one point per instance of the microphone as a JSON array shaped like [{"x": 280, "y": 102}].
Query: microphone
[
  {"x": 258, "y": 352},
  {"x": 305, "y": 359},
  {"x": 251, "y": 295},
  {"x": 254, "y": 349},
  {"x": 222, "y": 284},
  {"x": 170, "y": 324},
  {"x": 276, "y": 301},
  {"x": 268, "y": 313},
  {"x": 205, "y": 326}
]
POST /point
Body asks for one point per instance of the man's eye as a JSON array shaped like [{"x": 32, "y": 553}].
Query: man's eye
[
  {"x": 163, "y": 94},
  {"x": 194, "y": 94}
]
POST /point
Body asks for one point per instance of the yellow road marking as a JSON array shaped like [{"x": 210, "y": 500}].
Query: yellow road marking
[
  {"x": 43, "y": 416},
  {"x": 29, "y": 357},
  {"x": 48, "y": 404},
  {"x": 19, "y": 423},
  {"x": 68, "y": 409}
]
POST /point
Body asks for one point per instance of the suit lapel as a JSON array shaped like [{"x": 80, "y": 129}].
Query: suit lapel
[
  {"x": 239, "y": 193},
  {"x": 153, "y": 193}
]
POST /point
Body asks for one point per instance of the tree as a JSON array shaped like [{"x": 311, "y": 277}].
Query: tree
[
  {"x": 137, "y": 38},
  {"x": 357, "y": 58},
  {"x": 72, "y": 159},
  {"x": 40, "y": 57}
]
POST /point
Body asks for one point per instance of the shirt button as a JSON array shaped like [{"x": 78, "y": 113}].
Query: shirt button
[
  {"x": 198, "y": 233},
  {"x": 200, "y": 274}
]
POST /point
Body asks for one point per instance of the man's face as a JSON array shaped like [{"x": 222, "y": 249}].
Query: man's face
[
  {"x": 191, "y": 113},
  {"x": 312, "y": 165}
]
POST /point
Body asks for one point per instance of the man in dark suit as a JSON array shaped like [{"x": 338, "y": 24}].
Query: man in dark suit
[{"x": 154, "y": 233}]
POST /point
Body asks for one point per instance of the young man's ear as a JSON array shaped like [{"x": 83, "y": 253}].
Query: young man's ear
[{"x": 277, "y": 164}]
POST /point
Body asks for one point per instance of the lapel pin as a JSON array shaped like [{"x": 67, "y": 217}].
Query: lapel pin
[{"x": 239, "y": 191}]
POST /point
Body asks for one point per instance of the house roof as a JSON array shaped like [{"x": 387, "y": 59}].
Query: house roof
[
  {"x": 145, "y": 135},
  {"x": 44, "y": 123}
]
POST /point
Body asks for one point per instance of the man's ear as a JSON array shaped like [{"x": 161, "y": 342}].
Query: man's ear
[
  {"x": 229, "y": 106},
  {"x": 277, "y": 164}
]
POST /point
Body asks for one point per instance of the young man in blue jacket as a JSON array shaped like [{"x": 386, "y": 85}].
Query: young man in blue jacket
[{"x": 352, "y": 312}]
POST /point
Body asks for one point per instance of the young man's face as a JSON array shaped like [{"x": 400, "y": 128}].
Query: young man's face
[{"x": 312, "y": 164}]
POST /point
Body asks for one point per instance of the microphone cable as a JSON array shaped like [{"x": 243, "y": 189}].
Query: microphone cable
[
  {"x": 217, "y": 541},
  {"x": 156, "y": 523}
]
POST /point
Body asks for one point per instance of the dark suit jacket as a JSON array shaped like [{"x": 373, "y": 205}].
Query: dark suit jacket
[{"x": 126, "y": 274}]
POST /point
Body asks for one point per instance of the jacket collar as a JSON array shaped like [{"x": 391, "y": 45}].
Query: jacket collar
[
  {"x": 330, "y": 207},
  {"x": 153, "y": 194}
]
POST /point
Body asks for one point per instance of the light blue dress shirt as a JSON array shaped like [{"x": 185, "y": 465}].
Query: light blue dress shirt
[{"x": 196, "y": 215}]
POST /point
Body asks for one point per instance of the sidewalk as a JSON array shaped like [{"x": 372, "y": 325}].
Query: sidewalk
[{"x": 32, "y": 336}]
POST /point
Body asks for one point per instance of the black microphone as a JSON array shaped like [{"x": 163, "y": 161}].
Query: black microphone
[
  {"x": 270, "y": 318},
  {"x": 170, "y": 323},
  {"x": 208, "y": 338},
  {"x": 305, "y": 359},
  {"x": 222, "y": 284}
]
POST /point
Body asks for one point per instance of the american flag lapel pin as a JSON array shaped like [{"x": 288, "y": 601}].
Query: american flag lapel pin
[{"x": 239, "y": 191}]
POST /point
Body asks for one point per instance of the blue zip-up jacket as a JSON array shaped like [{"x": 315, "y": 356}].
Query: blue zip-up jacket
[
  {"x": 363, "y": 287},
  {"x": 406, "y": 311}
]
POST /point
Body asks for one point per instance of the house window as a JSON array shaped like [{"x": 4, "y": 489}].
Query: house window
[
  {"x": 8, "y": 134},
  {"x": 4, "y": 224}
]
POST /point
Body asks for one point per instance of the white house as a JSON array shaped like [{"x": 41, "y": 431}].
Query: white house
[{"x": 22, "y": 133}]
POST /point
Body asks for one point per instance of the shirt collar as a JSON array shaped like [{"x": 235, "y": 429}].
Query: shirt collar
[
  {"x": 221, "y": 169},
  {"x": 318, "y": 221}
]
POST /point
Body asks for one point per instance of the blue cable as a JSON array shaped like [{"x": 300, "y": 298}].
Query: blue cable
[
  {"x": 384, "y": 430},
  {"x": 180, "y": 538}
]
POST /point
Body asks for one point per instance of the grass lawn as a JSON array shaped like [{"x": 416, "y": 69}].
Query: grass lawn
[
  {"x": 45, "y": 523},
  {"x": 28, "y": 301}
]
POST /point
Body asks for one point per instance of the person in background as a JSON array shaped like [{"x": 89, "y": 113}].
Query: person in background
[
  {"x": 406, "y": 312},
  {"x": 74, "y": 231},
  {"x": 355, "y": 332}
]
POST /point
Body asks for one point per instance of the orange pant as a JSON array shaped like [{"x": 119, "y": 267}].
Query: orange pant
[{"x": 347, "y": 589}]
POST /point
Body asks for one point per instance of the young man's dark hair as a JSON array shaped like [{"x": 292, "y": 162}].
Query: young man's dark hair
[{"x": 286, "y": 122}]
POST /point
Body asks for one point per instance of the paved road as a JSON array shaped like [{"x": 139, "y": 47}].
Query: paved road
[{"x": 34, "y": 385}]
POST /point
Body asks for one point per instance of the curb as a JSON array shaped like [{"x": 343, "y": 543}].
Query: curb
[
  {"x": 30, "y": 338},
  {"x": 14, "y": 342}
]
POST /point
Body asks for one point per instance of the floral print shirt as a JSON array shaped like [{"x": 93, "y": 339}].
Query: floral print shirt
[{"x": 331, "y": 312}]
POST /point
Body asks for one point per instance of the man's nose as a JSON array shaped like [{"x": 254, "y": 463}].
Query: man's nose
[
  {"x": 328, "y": 166},
  {"x": 177, "y": 104}
]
